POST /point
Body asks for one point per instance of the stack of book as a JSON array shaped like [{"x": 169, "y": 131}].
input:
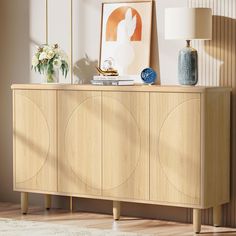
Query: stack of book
[{"x": 112, "y": 80}]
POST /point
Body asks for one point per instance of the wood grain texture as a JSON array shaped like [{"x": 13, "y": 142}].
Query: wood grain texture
[
  {"x": 220, "y": 69},
  {"x": 116, "y": 210},
  {"x": 135, "y": 88},
  {"x": 35, "y": 154},
  {"x": 126, "y": 145},
  {"x": 217, "y": 216},
  {"x": 217, "y": 148},
  {"x": 79, "y": 142},
  {"x": 197, "y": 220},
  {"x": 175, "y": 160},
  {"x": 164, "y": 152},
  {"x": 47, "y": 201},
  {"x": 24, "y": 202}
]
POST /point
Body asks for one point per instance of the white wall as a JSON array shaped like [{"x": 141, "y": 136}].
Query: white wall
[
  {"x": 86, "y": 38},
  {"x": 37, "y": 30},
  {"x": 75, "y": 25}
]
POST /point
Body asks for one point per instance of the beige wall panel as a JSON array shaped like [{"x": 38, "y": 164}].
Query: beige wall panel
[
  {"x": 37, "y": 31},
  {"x": 79, "y": 123},
  {"x": 175, "y": 157},
  {"x": 59, "y": 27},
  {"x": 35, "y": 156},
  {"x": 86, "y": 39},
  {"x": 126, "y": 145}
]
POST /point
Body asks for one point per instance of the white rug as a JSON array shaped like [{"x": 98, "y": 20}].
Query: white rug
[{"x": 30, "y": 228}]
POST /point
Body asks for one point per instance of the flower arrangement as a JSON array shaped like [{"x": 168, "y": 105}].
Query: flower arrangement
[{"x": 49, "y": 59}]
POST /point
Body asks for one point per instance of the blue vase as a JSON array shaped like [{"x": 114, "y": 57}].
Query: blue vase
[{"x": 188, "y": 66}]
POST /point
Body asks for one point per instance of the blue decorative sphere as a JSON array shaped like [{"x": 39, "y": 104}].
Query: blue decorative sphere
[{"x": 149, "y": 76}]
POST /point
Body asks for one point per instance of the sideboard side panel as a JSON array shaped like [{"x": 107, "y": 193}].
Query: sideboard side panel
[
  {"x": 35, "y": 130},
  {"x": 175, "y": 152},
  {"x": 217, "y": 148}
]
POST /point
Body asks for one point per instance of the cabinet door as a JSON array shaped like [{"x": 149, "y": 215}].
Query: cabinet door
[
  {"x": 35, "y": 160},
  {"x": 175, "y": 151},
  {"x": 126, "y": 145},
  {"x": 79, "y": 149}
]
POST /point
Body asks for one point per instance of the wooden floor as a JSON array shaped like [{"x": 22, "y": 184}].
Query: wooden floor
[{"x": 99, "y": 221}]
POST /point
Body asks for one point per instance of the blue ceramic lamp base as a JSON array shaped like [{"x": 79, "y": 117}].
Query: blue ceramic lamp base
[{"x": 188, "y": 66}]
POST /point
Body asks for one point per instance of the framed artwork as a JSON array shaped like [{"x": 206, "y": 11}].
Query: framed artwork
[{"x": 126, "y": 36}]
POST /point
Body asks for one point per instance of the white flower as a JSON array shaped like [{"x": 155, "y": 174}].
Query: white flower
[
  {"x": 63, "y": 56},
  {"x": 46, "y": 48},
  {"x": 42, "y": 56},
  {"x": 50, "y": 54},
  {"x": 57, "y": 63},
  {"x": 35, "y": 61}
]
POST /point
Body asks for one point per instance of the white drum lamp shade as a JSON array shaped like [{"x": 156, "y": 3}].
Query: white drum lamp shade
[{"x": 188, "y": 23}]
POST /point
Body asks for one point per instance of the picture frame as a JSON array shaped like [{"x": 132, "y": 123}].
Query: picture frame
[{"x": 126, "y": 35}]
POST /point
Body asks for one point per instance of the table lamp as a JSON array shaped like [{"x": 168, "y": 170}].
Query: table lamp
[{"x": 188, "y": 24}]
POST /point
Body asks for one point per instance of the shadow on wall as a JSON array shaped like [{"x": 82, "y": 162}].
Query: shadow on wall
[
  {"x": 154, "y": 57},
  {"x": 84, "y": 69},
  {"x": 222, "y": 49}
]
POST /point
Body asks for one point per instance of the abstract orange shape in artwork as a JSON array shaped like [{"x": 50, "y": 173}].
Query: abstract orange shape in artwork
[{"x": 116, "y": 17}]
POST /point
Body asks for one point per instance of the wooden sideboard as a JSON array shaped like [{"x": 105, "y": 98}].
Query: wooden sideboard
[{"x": 166, "y": 145}]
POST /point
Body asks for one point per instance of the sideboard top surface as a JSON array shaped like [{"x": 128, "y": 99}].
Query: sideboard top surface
[{"x": 136, "y": 88}]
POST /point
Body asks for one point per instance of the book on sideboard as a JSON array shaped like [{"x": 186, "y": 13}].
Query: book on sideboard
[{"x": 112, "y": 82}]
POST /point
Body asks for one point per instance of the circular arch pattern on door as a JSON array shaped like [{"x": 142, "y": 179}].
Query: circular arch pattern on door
[
  {"x": 35, "y": 134},
  {"x": 174, "y": 161}
]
